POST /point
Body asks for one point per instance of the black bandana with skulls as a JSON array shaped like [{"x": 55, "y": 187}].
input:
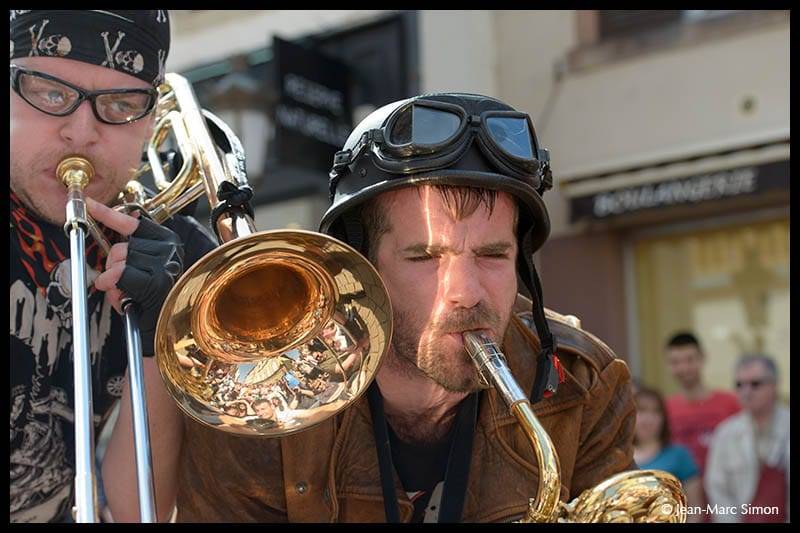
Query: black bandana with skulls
[{"x": 134, "y": 42}]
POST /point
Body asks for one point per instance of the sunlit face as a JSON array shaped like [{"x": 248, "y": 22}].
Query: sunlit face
[
  {"x": 756, "y": 389},
  {"x": 40, "y": 141},
  {"x": 446, "y": 276},
  {"x": 685, "y": 364},
  {"x": 649, "y": 419}
]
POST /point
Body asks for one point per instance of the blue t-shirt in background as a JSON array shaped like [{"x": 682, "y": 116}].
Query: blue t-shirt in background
[{"x": 675, "y": 459}]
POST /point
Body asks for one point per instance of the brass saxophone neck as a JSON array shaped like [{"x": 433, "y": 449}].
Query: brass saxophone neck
[{"x": 493, "y": 368}]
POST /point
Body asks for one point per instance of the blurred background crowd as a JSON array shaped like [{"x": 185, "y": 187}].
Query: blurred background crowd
[{"x": 669, "y": 139}]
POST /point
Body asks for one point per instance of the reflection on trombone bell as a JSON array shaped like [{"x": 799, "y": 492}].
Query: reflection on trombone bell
[{"x": 317, "y": 373}]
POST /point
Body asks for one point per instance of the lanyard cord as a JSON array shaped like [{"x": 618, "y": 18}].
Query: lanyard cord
[
  {"x": 384, "y": 454},
  {"x": 457, "y": 473},
  {"x": 458, "y": 463}
]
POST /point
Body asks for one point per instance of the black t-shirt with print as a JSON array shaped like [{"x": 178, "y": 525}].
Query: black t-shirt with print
[
  {"x": 421, "y": 469},
  {"x": 41, "y": 368}
]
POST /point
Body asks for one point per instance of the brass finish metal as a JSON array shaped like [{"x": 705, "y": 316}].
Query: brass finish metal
[
  {"x": 633, "y": 496},
  {"x": 203, "y": 167},
  {"x": 75, "y": 172},
  {"x": 645, "y": 496},
  {"x": 545, "y": 506},
  {"x": 273, "y": 333}
]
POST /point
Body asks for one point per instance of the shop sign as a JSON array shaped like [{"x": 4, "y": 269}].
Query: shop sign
[
  {"x": 312, "y": 116},
  {"x": 687, "y": 190}
]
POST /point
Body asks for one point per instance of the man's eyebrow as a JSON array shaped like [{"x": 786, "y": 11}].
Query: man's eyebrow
[
  {"x": 498, "y": 247},
  {"x": 424, "y": 248}
]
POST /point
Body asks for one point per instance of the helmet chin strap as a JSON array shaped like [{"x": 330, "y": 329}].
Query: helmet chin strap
[
  {"x": 547, "y": 377},
  {"x": 353, "y": 231}
]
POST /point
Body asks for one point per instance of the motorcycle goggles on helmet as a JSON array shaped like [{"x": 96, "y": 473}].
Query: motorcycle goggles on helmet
[{"x": 426, "y": 135}]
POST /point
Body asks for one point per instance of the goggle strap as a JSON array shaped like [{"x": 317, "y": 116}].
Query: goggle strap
[
  {"x": 342, "y": 158},
  {"x": 345, "y": 158},
  {"x": 543, "y": 155},
  {"x": 547, "y": 180}
]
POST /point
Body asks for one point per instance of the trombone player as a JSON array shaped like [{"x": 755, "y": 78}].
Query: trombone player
[
  {"x": 443, "y": 194},
  {"x": 83, "y": 83}
]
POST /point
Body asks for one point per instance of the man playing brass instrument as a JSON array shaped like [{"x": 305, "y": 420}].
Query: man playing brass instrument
[
  {"x": 443, "y": 194},
  {"x": 83, "y": 83}
]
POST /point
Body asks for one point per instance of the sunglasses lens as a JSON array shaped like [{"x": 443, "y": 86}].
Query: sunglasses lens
[
  {"x": 47, "y": 95},
  {"x": 120, "y": 108},
  {"x": 752, "y": 384},
  {"x": 421, "y": 125}
]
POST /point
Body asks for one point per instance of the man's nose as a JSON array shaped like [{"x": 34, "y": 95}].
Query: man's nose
[
  {"x": 81, "y": 128},
  {"x": 461, "y": 282}
]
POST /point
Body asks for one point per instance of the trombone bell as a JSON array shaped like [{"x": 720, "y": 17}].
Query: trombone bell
[{"x": 273, "y": 332}]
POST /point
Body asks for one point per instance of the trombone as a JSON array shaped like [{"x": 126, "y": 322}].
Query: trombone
[
  {"x": 208, "y": 159},
  {"x": 295, "y": 323}
]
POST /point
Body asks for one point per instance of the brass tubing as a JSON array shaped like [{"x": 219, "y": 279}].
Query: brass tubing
[{"x": 543, "y": 508}]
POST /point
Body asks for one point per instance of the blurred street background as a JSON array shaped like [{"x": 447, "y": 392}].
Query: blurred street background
[{"x": 668, "y": 133}]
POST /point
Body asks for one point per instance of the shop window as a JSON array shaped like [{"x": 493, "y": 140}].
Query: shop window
[
  {"x": 620, "y": 23},
  {"x": 729, "y": 286},
  {"x": 614, "y": 35}
]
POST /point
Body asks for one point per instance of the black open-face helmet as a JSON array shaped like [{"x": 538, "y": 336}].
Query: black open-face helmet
[{"x": 449, "y": 139}]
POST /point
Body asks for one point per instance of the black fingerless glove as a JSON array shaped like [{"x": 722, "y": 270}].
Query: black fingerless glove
[{"x": 153, "y": 265}]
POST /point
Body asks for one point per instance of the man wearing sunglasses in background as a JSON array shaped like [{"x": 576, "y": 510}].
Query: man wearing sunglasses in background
[
  {"x": 443, "y": 194},
  {"x": 84, "y": 83},
  {"x": 747, "y": 473}
]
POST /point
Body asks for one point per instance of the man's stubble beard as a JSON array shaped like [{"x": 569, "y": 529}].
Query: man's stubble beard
[
  {"x": 44, "y": 207},
  {"x": 454, "y": 372}
]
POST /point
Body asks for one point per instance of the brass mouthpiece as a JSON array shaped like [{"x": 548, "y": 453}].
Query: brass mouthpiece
[{"x": 75, "y": 171}]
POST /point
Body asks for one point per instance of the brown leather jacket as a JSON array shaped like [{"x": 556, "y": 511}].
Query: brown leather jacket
[{"x": 330, "y": 473}]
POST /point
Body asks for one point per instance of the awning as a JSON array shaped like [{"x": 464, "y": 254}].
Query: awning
[{"x": 746, "y": 171}]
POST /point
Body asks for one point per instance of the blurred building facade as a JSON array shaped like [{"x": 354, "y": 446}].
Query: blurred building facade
[{"x": 668, "y": 133}]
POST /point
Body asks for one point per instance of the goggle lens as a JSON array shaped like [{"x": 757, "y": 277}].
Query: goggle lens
[
  {"x": 420, "y": 125},
  {"x": 512, "y": 135}
]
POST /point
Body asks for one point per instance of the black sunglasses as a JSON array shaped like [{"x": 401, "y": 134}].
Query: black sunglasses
[
  {"x": 59, "y": 98},
  {"x": 753, "y": 383}
]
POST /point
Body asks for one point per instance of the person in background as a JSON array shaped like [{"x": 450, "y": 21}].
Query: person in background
[
  {"x": 653, "y": 448},
  {"x": 748, "y": 461},
  {"x": 694, "y": 411}
]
